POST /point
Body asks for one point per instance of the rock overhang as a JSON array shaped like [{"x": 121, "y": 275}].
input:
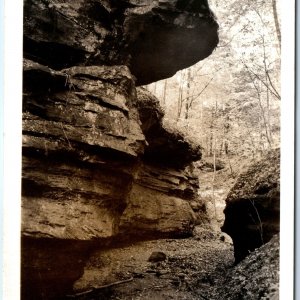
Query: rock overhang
[
  {"x": 163, "y": 41},
  {"x": 153, "y": 38}
]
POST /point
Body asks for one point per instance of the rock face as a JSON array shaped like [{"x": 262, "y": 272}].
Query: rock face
[
  {"x": 86, "y": 181},
  {"x": 145, "y": 35},
  {"x": 164, "y": 186},
  {"x": 79, "y": 147},
  {"x": 81, "y": 140},
  {"x": 253, "y": 205},
  {"x": 90, "y": 141}
]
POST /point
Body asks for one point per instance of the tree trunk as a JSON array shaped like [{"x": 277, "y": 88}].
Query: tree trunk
[
  {"x": 211, "y": 145},
  {"x": 254, "y": 150},
  {"x": 221, "y": 148},
  {"x": 188, "y": 92},
  {"x": 226, "y": 148},
  {"x": 230, "y": 166},
  {"x": 275, "y": 15},
  {"x": 268, "y": 115},
  {"x": 164, "y": 93},
  {"x": 265, "y": 122},
  {"x": 180, "y": 96},
  {"x": 214, "y": 178}
]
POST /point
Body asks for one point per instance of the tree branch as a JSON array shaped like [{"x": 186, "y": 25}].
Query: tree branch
[
  {"x": 99, "y": 288},
  {"x": 272, "y": 90},
  {"x": 199, "y": 94}
]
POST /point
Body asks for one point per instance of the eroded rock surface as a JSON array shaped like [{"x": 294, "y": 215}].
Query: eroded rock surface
[
  {"x": 155, "y": 208},
  {"x": 86, "y": 181},
  {"x": 165, "y": 184},
  {"x": 145, "y": 35},
  {"x": 81, "y": 140},
  {"x": 79, "y": 148},
  {"x": 253, "y": 206}
]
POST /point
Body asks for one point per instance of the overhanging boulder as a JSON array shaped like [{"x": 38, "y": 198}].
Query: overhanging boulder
[{"x": 153, "y": 38}]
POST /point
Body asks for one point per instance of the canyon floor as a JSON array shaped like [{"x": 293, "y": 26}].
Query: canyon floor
[
  {"x": 191, "y": 269},
  {"x": 199, "y": 267}
]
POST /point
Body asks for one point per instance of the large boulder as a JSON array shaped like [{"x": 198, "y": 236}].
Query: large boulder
[
  {"x": 253, "y": 205},
  {"x": 148, "y": 36}
]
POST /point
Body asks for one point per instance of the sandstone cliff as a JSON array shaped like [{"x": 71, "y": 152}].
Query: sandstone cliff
[{"x": 98, "y": 166}]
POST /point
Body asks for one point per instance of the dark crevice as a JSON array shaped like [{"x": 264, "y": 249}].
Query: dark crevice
[
  {"x": 263, "y": 189},
  {"x": 55, "y": 55},
  {"x": 97, "y": 12},
  {"x": 34, "y": 189},
  {"x": 194, "y": 6},
  {"x": 97, "y": 154}
]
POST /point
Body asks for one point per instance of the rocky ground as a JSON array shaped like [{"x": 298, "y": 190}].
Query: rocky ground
[{"x": 199, "y": 267}]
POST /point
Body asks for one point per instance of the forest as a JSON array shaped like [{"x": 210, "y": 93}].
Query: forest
[{"x": 230, "y": 102}]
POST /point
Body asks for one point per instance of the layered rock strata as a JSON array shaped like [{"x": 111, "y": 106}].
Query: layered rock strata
[
  {"x": 88, "y": 160},
  {"x": 81, "y": 140},
  {"x": 86, "y": 181},
  {"x": 165, "y": 184},
  {"x": 252, "y": 211}
]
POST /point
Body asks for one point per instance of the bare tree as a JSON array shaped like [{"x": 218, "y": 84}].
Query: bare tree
[
  {"x": 180, "y": 94},
  {"x": 164, "y": 92}
]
